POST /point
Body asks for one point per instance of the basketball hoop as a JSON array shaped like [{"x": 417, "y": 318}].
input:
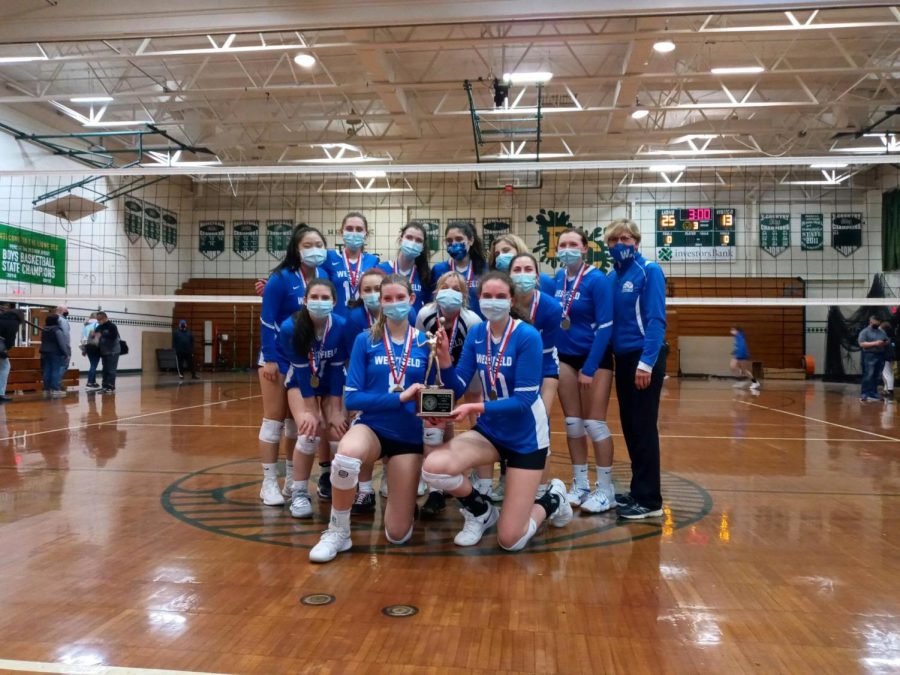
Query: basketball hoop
[{"x": 507, "y": 188}]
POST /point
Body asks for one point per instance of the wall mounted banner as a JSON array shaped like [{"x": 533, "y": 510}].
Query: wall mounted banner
[
  {"x": 551, "y": 224},
  {"x": 491, "y": 228},
  {"x": 212, "y": 238},
  {"x": 812, "y": 232},
  {"x": 846, "y": 232},
  {"x": 775, "y": 233},
  {"x": 152, "y": 223},
  {"x": 278, "y": 235},
  {"x": 245, "y": 243},
  {"x": 169, "y": 230},
  {"x": 31, "y": 257},
  {"x": 134, "y": 219},
  {"x": 433, "y": 228}
]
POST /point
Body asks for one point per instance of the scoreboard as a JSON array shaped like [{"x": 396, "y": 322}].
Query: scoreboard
[{"x": 701, "y": 234}]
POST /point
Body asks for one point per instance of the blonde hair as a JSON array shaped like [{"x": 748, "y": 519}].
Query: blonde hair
[
  {"x": 513, "y": 240},
  {"x": 617, "y": 227},
  {"x": 445, "y": 277},
  {"x": 377, "y": 329}
]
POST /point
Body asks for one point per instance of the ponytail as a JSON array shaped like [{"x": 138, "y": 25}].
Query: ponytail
[{"x": 377, "y": 329}]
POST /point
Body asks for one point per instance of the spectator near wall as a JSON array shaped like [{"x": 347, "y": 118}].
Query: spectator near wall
[
  {"x": 10, "y": 322},
  {"x": 110, "y": 345}
]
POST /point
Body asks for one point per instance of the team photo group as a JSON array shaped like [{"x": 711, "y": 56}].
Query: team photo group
[{"x": 442, "y": 372}]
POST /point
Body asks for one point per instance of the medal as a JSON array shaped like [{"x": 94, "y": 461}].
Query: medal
[
  {"x": 493, "y": 366},
  {"x": 569, "y": 296},
  {"x": 404, "y": 357},
  {"x": 315, "y": 357},
  {"x": 352, "y": 275},
  {"x": 314, "y": 381}
]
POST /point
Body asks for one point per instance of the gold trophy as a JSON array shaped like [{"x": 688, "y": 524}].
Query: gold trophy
[{"x": 435, "y": 400}]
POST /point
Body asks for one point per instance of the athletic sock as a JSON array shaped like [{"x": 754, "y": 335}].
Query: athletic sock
[
  {"x": 289, "y": 470},
  {"x": 340, "y": 519},
  {"x": 270, "y": 470},
  {"x": 475, "y": 503},
  {"x": 365, "y": 486},
  {"x": 325, "y": 466},
  {"x": 484, "y": 485},
  {"x": 604, "y": 476},
  {"x": 580, "y": 474},
  {"x": 548, "y": 501}
]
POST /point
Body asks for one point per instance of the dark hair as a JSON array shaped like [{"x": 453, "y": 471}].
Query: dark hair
[
  {"x": 304, "y": 331},
  {"x": 355, "y": 214},
  {"x": 497, "y": 275},
  {"x": 577, "y": 230},
  {"x": 371, "y": 272},
  {"x": 537, "y": 267},
  {"x": 422, "y": 267},
  {"x": 476, "y": 250},
  {"x": 292, "y": 257},
  {"x": 52, "y": 320},
  {"x": 103, "y": 314}
]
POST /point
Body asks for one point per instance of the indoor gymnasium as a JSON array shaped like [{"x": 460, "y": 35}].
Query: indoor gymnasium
[{"x": 425, "y": 337}]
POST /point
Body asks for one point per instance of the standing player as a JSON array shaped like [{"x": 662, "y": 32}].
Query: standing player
[
  {"x": 386, "y": 372},
  {"x": 508, "y": 246},
  {"x": 314, "y": 340},
  {"x": 346, "y": 268},
  {"x": 585, "y": 370},
  {"x": 506, "y": 355},
  {"x": 283, "y": 295},
  {"x": 640, "y": 315},
  {"x": 412, "y": 262},
  {"x": 466, "y": 257},
  {"x": 740, "y": 360}
]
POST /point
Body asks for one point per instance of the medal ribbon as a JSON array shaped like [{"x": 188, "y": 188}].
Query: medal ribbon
[
  {"x": 493, "y": 368},
  {"x": 315, "y": 352},
  {"x": 411, "y": 275},
  {"x": 453, "y": 330},
  {"x": 352, "y": 275},
  {"x": 469, "y": 272},
  {"x": 407, "y": 351},
  {"x": 570, "y": 296},
  {"x": 535, "y": 301}
]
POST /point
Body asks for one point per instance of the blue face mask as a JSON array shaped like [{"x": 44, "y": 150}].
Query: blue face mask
[
  {"x": 568, "y": 256},
  {"x": 372, "y": 301},
  {"x": 398, "y": 311},
  {"x": 524, "y": 282},
  {"x": 354, "y": 240},
  {"x": 622, "y": 253},
  {"x": 449, "y": 300},
  {"x": 457, "y": 250},
  {"x": 494, "y": 309},
  {"x": 313, "y": 257},
  {"x": 410, "y": 249},
  {"x": 502, "y": 261},
  {"x": 319, "y": 309}
]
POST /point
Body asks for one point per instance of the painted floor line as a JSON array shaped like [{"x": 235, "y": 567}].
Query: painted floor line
[
  {"x": 820, "y": 421},
  {"x": 43, "y": 667}
]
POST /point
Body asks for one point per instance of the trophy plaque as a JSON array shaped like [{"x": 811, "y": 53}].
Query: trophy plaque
[{"x": 435, "y": 400}]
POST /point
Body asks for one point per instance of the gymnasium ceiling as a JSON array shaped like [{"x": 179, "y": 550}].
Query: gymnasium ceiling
[{"x": 222, "y": 75}]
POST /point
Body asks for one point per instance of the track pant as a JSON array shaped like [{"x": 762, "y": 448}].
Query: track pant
[{"x": 638, "y": 412}]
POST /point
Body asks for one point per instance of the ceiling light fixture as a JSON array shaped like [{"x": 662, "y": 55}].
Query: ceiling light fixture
[
  {"x": 539, "y": 77},
  {"x": 21, "y": 59},
  {"x": 829, "y": 165},
  {"x": 667, "y": 168},
  {"x": 639, "y": 112},
  {"x": 91, "y": 99},
  {"x": 305, "y": 60},
  {"x": 370, "y": 173},
  {"x": 738, "y": 70},
  {"x": 664, "y": 46}
]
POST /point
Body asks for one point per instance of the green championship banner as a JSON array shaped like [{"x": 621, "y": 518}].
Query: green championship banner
[
  {"x": 775, "y": 233},
  {"x": 278, "y": 236},
  {"x": 491, "y": 228},
  {"x": 169, "y": 230},
  {"x": 812, "y": 232},
  {"x": 152, "y": 224},
  {"x": 846, "y": 232},
  {"x": 31, "y": 257},
  {"x": 134, "y": 219},
  {"x": 245, "y": 242},
  {"x": 433, "y": 230},
  {"x": 212, "y": 238}
]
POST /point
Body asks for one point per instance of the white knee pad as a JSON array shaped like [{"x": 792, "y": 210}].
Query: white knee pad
[
  {"x": 290, "y": 428},
  {"x": 270, "y": 430},
  {"x": 519, "y": 545},
  {"x": 442, "y": 481},
  {"x": 574, "y": 427},
  {"x": 433, "y": 436},
  {"x": 307, "y": 445},
  {"x": 406, "y": 537},
  {"x": 597, "y": 430},
  {"x": 345, "y": 472}
]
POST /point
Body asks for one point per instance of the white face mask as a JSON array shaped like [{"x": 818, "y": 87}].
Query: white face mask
[{"x": 495, "y": 309}]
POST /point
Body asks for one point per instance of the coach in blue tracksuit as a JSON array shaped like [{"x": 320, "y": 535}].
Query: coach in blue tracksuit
[{"x": 639, "y": 328}]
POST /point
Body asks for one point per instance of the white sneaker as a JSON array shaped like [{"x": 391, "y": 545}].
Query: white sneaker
[
  {"x": 498, "y": 492},
  {"x": 597, "y": 502},
  {"x": 754, "y": 386},
  {"x": 475, "y": 526},
  {"x": 301, "y": 506},
  {"x": 422, "y": 488},
  {"x": 563, "y": 514},
  {"x": 331, "y": 543},
  {"x": 578, "y": 494},
  {"x": 288, "y": 488},
  {"x": 383, "y": 490},
  {"x": 270, "y": 494}
]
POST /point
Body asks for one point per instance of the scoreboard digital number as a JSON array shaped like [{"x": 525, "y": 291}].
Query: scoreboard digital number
[{"x": 695, "y": 234}]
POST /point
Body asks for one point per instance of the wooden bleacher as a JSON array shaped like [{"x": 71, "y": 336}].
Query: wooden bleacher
[{"x": 25, "y": 372}]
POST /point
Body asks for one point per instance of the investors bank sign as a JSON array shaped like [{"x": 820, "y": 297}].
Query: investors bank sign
[{"x": 32, "y": 257}]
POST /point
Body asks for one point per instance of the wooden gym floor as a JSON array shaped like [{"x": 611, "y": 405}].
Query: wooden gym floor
[{"x": 132, "y": 537}]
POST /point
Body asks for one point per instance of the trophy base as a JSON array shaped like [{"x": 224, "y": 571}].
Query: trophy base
[{"x": 436, "y": 402}]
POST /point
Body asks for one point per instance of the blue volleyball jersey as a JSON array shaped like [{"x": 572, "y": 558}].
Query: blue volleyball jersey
[
  {"x": 548, "y": 284},
  {"x": 423, "y": 292},
  {"x": 517, "y": 419},
  {"x": 640, "y": 304},
  {"x": 441, "y": 268},
  {"x": 369, "y": 384},
  {"x": 590, "y": 314},
  {"x": 547, "y": 317},
  {"x": 359, "y": 320},
  {"x": 740, "y": 350},
  {"x": 330, "y": 357},
  {"x": 336, "y": 267},
  {"x": 283, "y": 295}
]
